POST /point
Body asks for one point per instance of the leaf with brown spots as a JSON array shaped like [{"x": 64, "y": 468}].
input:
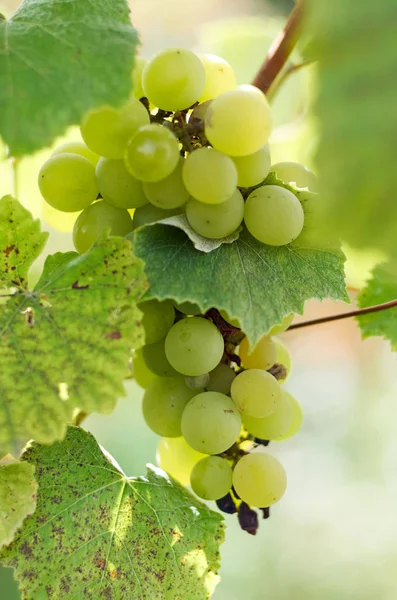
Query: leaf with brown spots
[
  {"x": 66, "y": 343},
  {"x": 111, "y": 537},
  {"x": 17, "y": 498}
]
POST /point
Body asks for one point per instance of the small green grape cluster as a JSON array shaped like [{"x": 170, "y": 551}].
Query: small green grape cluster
[
  {"x": 189, "y": 141},
  {"x": 213, "y": 399}
]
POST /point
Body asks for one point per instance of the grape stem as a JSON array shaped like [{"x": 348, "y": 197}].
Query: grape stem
[
  {"x": 280, "y": 50},
  {"x": 352, "y": 313},
  {"x": 282, "y": 78}
]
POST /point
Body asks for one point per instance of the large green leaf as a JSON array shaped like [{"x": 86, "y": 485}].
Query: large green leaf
[
  {"x": 356, "y": 106},
  {"x": 382, "y": 287},
  {"x": 17, "y": 498},
  {"x": 255, "y": 283},
  {"x": 100, "y": 535},
  {"x": 66, "y": 343},
  {"x": 58, "y": 59}
]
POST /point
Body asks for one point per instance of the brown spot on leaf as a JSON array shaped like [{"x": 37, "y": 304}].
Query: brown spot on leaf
[
  {"x": 7, "y": 251},
  {"x": 113, "y": 335},
  {"x": 115, "y": 573},
  {"x": 76, "y": 286}
]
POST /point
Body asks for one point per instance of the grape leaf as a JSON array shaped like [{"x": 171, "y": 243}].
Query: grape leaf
[
  {"x": 17, "y": 498},
  {"x": 100, "y": 535},
  {"x": 65, "y": 344},
  {"x": 357, "y": 114},
  {"x": 199, "y": 242},
  {"x": 382, "y": 287},
  {"x": 255, "y": 283},
  {"x": 58, "y": 59}
]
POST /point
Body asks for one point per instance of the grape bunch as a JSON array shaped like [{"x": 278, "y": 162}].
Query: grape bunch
[
  {"x": 216, "y": 402},
  {"x": 189, "y": 141}
]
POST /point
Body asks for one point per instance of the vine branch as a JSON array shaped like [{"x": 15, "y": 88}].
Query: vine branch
[
  {"x": 281, "y": 49},
  {"x": 352, "y": 313}
]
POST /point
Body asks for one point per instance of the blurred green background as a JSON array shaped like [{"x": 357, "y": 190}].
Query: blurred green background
[{"x": 333, "y": 536}]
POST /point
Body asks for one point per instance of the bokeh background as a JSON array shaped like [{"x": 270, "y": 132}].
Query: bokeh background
[{"x": 334, "y": 534}]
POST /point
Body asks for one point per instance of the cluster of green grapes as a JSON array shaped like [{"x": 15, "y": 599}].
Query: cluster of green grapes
[
  {"x": 188, "y": 141},
  {"x": 216, "y": 402}
]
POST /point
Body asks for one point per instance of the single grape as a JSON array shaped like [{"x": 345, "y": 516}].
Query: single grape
[
  {"x": 96, "y": 220},
  {"x": 221, "y": 379},
  {"x": 273, "y": 426},
  {"x": 156, "y": 360},
  {"x": 117, "y": 186},
  {"x": 77, "y": 148},
  {"x": 256, "y": 393},
  {"x": 259, "y": 479},
  {"x": 137, "y": 89},
  {"x": 150, "y": 214},
  {"x": 169, "y": 192},
  {"x": 158, "y": 318},
  {"x": 296, "y": 174},
  {"x": 152, "y": 153},
  {"x": 199, "y": 382},
  {"x": 273, "y": 215},
  {"x": 219, "y": 77},
  {"x": 67, "y": 182},
  {"x": 254, "y": 168},
  {"x": 142, "y": 374},
  {"x": 173, "y": 79},
  {"x": 194, "y": 346},
  {"x": 296, "y": 421},
  {"x": 233, "y": 321},
  {"x": 283, "y": 357},
  {"x": 216, "y": 221},
  {"x": 209, "y": 176},
  {"x": 106, "y": 130},
  {"x": 211, "y": 423},
  {"x": 262, "y": 356},
  {"x": 283, "y": 326},
  {"x": 211, "y": 478},
  {"x": 188, "y": 308},
  {"x": 177, "y": 458},
  {"x": 163, "y": 405},
  {"x": 238, "y": 122}
]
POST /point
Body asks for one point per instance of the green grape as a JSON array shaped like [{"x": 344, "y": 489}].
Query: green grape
[
  {"x": 156, "y": 360},
  {"x": 177, "y": 458},
  {"x": 296, "y": 421},
  {"x": 173, "y": 79},
  {"x": 77, "y": 148},
  {"x": 221, "y": 379},
  {"x": 150, "y": 214},
  {"x": 137, "y": 89},
  {"x": 283, "y": 357},
  {"x": 263, "y": 355},
  {"x": 283, "y": 326},
  {"x": 296, "y": 174},
  {"x": 211, "y": 423},
  {"x": 211, "y": 478},
  {"x": 106, "y": 130},
  {"x": 273, "y": 215},
  {"x": 209, "y": 176},
  {"x": 158, "y": 318},
  {"x": 256, "y": 393},
  {"x": 238, "y": 122},
  {"x": 152, "y": 153},
  {"x": 219, "y": 77},
  {"x": 188, "y": 308},
  {"x": 163, "y": 404},
  {"x": 194, "y": 346},
  {"x": 254, "y": 168},
  {"x": 67, "y": 182},
  {"x": 216, "y": 221},
  {"x": 142, "y": 374},
  {"x": 259, "y": 479},
  {"x": 231, "y": 320},
  {"x": 169, "y": 192},
  {"x": 199, "y": 382},
  {"x": 117, "y": 186},
  {"x": 273, "y": 426},
  {"x": 96, "y": 220}
]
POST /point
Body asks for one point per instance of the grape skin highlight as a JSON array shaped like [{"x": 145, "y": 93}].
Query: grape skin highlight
[{"x": 152, "y": 153}]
